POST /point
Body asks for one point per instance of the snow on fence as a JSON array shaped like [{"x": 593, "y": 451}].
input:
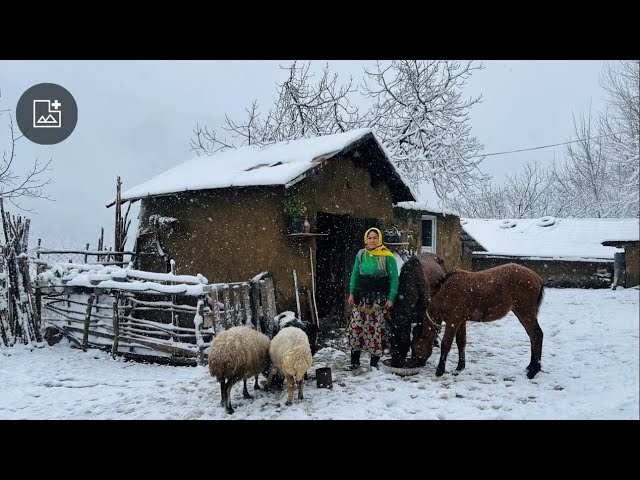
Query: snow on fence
[{"x": 146, "y": 314}]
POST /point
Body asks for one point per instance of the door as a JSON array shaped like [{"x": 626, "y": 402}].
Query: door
[{"x": 429, "y": 234}]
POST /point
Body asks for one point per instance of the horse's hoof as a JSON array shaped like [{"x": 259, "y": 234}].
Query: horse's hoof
[
  {"x": 247, "y": 396},
  {"x": 532, "y": 373},
  {"x": 230, "y": 410},
  {"x": 288, "y": 403}
]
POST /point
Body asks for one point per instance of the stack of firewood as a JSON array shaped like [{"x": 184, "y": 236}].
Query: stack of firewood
[{"x": 19, "y": 321}]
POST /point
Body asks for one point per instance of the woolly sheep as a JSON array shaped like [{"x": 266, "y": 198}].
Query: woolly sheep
[
  {"x": 291, "y": 356},
  {"x": 238, "y": 353},
  {"x": 288, "y": 319}
]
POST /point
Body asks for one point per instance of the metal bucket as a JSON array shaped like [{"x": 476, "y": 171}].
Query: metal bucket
[{"x": 323, "y": 378}]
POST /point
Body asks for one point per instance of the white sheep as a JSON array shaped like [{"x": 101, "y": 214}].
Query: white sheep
[
  {"x": 238, "y": 353},
  {"x": 290, "y": 356}
]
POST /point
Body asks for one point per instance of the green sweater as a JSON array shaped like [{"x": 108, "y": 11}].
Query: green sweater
[{"x": 369, "y": 267}]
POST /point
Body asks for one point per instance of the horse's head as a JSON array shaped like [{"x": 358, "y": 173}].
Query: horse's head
[{"x": 421, "y": 344}]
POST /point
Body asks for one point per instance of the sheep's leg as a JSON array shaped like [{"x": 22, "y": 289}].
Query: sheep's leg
[
  {"x": 301, "y": 389},
  {"x": 223, "y": 392},
  {"x": 227, "y": 400},
  {"x": 255, "y": 385},
  {"x": 291, "y": 383},
  {"x": 272, "y": 371},
  {"x": 245, "y": 392}
]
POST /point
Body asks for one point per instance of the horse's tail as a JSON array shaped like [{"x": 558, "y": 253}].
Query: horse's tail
[{"x": 540, "y": 297}]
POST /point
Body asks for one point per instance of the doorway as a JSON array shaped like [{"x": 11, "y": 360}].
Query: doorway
[{"x": 335, "y": 255}]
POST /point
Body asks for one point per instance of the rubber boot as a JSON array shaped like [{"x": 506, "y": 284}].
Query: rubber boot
[
  {"x": 355, "y": 360},
  {"x": 374, "y": 361}
]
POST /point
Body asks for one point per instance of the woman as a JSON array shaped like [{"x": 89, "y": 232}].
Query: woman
[{"x": 374, "y": 286}]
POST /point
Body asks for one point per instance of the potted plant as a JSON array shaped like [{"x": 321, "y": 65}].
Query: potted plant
[{"x": 296, "y": 211}]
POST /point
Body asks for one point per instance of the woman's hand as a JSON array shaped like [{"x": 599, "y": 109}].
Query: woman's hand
[
  {"x": 388, "y": 305},
  {"x": 350, "y": 300}
]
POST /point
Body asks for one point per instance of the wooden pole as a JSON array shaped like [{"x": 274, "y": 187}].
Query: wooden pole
[
  {"x": 87, "y": 317},
  {"x": 116, "y": 327},
  {"x": 238, "y": 317},
  {"x": 226, "y": 300},
  {"x": 246, "y": 306},
  {"x": 100, "y": 243},
  {"x": 117, "y": 247},
  {"x": 198, "y": 329},
  {"x": 213, "y": 294},
  {"x": 254, "y": 295},
  {"x": 174, "y": 316},
  {"x": 295, "y": 285},
  {"x": 313, "y": 287}
]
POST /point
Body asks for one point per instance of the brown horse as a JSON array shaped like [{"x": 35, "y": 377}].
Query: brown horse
[
  {"x": 420, "y": 277},
  {"x": 480, "y": 297}
]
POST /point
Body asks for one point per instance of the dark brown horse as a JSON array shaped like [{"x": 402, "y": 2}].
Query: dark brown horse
[
  {"x": 420, "y": 277},
  {"x": 480, "y": 297}
]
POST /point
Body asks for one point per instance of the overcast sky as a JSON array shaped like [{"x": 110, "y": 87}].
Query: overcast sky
[{"x": 135, "y": 119}]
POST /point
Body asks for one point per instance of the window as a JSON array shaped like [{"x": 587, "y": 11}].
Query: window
[{"x": 428, "y": 234}]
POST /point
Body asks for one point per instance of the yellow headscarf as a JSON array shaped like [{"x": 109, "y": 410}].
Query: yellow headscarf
[{"x": 380, "y": 250}]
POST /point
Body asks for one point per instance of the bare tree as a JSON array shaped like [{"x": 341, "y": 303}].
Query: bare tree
[
  {"x": 620, "y": 124},
  {"x": 416, "y": 110},
  {"x": 16, "y": 185},
  {"x": 421, "y": 117},
  {"x": 529, "y": 193},
  {"x": 484, "y": 201},
  {"x": 525, "y": 194},
  {"x": 583, "y": 185},
  {"x": 302, "y": 109},
  {"x": 599, "y": 174}
]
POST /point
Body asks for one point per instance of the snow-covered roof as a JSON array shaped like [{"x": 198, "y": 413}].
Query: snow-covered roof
[
  {"x": 283, "y": 163},
  {"x": 426, "y": 207},
  {"x": 549, "y": 237}
]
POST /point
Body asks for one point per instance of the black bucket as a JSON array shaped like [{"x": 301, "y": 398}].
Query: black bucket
[{"x": 323, "y": 378}]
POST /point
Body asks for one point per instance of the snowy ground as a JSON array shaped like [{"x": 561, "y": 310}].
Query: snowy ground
[{"x": 590, "y": 370}]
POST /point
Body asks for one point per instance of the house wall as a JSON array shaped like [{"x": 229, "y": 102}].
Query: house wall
[
  {"x": 231, "y": 235},
  {"x": 448, "y": 244},
  {"x": 555, "y": 273},
  {"x": 466, "y": 261},
  {"x": 632, "y": 267}
]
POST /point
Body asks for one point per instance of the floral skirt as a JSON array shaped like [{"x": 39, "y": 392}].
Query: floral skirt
[{"x": 367, "y": 327}]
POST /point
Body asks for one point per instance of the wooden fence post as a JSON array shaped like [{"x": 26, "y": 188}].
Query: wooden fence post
[
  {"x": 198, "y": 321},
  {"x": 228, "y": 321},
  {"x": 214, "y": 309},
  {"x": 87, "y": 317},
  {"x": 246, "y": 305},
  {"x": 116, "y": 326},
  {"x": 267, "y": 299},
  {"x": 238, "y": 317},
  {"x": 254, "y": 296}
]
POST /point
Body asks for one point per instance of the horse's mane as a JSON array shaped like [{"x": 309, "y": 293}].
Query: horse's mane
[
  {"x": 446, "y": 277},
  {"x": 407, "y": 269}
]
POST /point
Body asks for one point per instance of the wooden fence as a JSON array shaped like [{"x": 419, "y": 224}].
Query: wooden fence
[{"x": 160, "y": 317}]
